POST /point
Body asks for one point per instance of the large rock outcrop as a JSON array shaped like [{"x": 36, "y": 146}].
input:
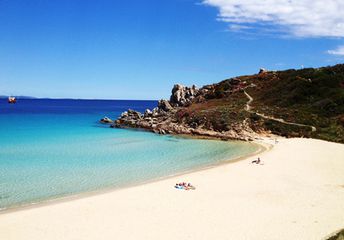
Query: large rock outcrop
[{"x": 183, "y": 96}]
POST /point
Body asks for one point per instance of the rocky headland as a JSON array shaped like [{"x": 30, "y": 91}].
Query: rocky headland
[
  {"x": 164, "y": 118},
  {"x": 292, "y": 103}
]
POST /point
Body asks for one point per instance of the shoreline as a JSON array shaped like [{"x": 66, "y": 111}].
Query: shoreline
[
  {"x": 296, "y": 193},
  {"x": 263, "y": 147}
]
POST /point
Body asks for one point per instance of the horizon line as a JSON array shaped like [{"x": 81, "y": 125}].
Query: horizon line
[{"x": 70, "y": 98}]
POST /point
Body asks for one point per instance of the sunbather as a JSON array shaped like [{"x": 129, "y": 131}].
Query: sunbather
[{"x": 185, "y": 186}]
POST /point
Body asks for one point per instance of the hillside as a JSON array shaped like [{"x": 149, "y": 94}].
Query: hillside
[{"x": 292, "y": 103}]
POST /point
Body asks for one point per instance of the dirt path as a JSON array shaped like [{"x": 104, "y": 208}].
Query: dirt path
[{"x": 248, "y": 109}]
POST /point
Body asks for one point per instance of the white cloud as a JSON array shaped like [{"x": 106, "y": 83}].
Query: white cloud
[
  {"x": 300, "y": 18},
  {"x": 238, "y": 27},
  {"x": 338, "y": 51}
]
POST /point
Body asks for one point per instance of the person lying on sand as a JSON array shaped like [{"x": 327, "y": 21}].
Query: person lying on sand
[{"x": 185, "y": 186}]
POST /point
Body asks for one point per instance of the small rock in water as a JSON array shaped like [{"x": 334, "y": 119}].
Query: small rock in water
[{"x": 106, "y": 120}]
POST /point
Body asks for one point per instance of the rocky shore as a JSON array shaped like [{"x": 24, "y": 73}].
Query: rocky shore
[
  {"x": 165, "y": 119},
  {"x": 291, "y": 103}
]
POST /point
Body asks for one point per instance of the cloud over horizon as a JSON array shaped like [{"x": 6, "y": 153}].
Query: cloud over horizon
[
  {"x": 339, "y": 51},
  {"x": 297, "y": 18}
]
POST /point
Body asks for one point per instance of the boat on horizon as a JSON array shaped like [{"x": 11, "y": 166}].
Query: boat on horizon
[{"x": 12, "y": 100}]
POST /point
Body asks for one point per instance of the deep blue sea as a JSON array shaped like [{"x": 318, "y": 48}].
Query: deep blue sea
[{"x": 56, "y": 148}]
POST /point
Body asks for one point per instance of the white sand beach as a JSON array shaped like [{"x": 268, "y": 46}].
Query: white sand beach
[{"x": 297, "y": 193}]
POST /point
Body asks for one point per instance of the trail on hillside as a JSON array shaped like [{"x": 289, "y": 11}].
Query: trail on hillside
[{"x": 248, "y": 109}]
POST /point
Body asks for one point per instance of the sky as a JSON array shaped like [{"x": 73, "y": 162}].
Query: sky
[{"x": 138, "y": 49}]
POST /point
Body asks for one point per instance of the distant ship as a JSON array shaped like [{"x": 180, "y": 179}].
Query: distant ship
[{"x": 12, "y": 100}]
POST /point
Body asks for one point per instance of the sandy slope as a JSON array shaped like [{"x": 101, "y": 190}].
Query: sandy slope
[{"x": 297, "y": 194}]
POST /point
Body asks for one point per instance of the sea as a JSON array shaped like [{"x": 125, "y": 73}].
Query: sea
[{"x": 56, "y": 148}]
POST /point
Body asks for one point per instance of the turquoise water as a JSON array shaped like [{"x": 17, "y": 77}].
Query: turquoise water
[{"x": 55, "y": 148}]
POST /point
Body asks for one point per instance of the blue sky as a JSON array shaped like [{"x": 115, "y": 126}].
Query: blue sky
[{"x": 139, "y": 49}]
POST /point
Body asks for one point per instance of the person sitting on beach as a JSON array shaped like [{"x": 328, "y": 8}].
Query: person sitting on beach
[{"x": 256, "y": 161}]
